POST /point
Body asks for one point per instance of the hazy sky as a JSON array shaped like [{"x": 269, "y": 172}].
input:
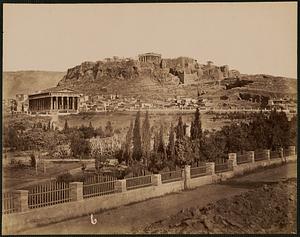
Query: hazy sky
[{"x": 250, "y": 37}]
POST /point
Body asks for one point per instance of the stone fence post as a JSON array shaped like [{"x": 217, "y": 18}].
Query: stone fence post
[
  {"x": 267, "y": 152},
  {"x": 156, "y": 179},
  {"x": 292, "y": 150},
  {"x": 251, "y": 155},
  {"x": 211, "y": 167},
  {"x": 187, "y": 176},
  {"x": 281, "y": 152},
  {"x": 232, "y": 159},
  {"x": 120, "y": 186},
  {"x": 76, "y": 191},
  {"x": 21, "y": 200}
]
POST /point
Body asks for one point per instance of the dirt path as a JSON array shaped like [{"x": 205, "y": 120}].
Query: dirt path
[{"x": 129, "y": 218}]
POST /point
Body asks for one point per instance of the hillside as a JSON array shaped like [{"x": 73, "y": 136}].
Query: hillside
[
  {"x": 28, "y": 81},
  {"x": 152, "y": 81}
]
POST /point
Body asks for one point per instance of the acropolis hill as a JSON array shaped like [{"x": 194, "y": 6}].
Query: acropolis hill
[
  {"x": 177, "y": 71},
  {"x": 153, "y": 77}
]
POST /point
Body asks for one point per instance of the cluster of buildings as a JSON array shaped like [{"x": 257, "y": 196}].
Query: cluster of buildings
[
  {"x": 120, "y": 103},
  {"x": 283, "y": 103}
]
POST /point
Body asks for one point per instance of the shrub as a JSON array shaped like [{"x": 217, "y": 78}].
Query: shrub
[
  {"x": 66, "y": 178},
  {"x": 32, "y": 161}
]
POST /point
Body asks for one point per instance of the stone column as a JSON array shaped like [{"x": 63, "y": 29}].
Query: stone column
[
  {"x": 68, "y": 103},
  {"x": 51, "y": 103},
  {"x": 73, "y": 104},
  {"x": 63, "y": 102},
  {"x": 251, "y": 154},
  {"x": 21, "y": 200},
  {"x": 156, "y": 179},
  {"x": 120, "y": 186},
  {"x": 56, "y": 103},
  {"x": 76, "y": 191}
]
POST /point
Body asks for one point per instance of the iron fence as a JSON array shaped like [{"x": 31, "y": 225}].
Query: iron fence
[
  {"x": 171, "y": 176},
  {"x": 244, "y": 158},
  {"x": 138, "y": 182},
  {"x": 199, "y": 171},
  {"x": 98, "y": 185},
  {"x": 223, "y": 167},
  {"x": 260, "y": 155},
  {"x": 49, "y": 194},
  {"x": 275, "y": 154},
  {"x": 8, "y": 203}
]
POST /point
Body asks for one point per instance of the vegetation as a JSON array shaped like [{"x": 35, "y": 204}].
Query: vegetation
[{"x": 173, "y": 148}]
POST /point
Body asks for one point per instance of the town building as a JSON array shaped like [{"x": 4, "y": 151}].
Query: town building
[{"x": 54, "y": 100}]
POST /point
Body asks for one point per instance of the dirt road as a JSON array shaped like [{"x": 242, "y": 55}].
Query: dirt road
[{"x": 129, "y": 218}]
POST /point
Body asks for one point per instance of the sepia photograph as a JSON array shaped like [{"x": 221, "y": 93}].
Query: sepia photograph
[{"x": 149, "y": 118}]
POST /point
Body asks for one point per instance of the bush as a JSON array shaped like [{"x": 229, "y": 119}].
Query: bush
[
  {"x": 66, "y": 178},
  {"x": 32, "y": 161}
]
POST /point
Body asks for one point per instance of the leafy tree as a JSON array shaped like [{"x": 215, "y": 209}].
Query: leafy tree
[
  {"x": 80, "y": 147},
  {"x": 99, "y": 132},
  {"x": 13, "y": 139},
  {"x": 146, "y": 139},
  {"x": 183, "y": 152},
  {"x": 32, "y": 161},
  {"x": 137, "y": 145},
  {"x": 109, "y": 131}
]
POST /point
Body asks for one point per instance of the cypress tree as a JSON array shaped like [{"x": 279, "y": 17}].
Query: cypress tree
[
  {"x": 49, "y": 125},
  {"x": 66, "y": 127},
  {"x": 127, "y": 154},
  {"x": 171, "y": 144},
  {"x": 196, "y": 129},
  {"x": 179, "y": 129},
  {"x": 146, "y": 139},
  {"x": 137, "y": 144}
]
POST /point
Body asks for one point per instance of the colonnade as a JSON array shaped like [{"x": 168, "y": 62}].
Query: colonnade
[
  {"x": 54, "y": 103},
  {"x": 146, "y": 58}
]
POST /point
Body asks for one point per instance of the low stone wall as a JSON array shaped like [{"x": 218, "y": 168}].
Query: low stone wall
[
  {"x": 41, "y": 216},
  {"x": 29, "y": 218}
]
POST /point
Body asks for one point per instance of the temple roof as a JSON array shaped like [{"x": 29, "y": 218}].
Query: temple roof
[{"x": 55, "y": 90}]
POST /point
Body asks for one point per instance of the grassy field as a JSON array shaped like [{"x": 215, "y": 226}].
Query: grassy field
[
  {"x": 21, "y": 178},
  {"x": 121, "y": 120}
]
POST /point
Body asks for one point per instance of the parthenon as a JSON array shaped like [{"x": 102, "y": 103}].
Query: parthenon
[{"x": 54, "y": 100}]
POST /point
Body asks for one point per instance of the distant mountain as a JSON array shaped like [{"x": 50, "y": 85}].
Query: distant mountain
[{"x": 28, "y": 81}]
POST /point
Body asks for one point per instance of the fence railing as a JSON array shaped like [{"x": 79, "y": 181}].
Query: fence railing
[
  {"x": 275, "y": 154},
  {"x": 223, "y": 167},
  {"x": 8, "y": 203},
  {"x": 259, "y": 155},
  {"x": 171, "y": 176},
  {"x": 138, "y": 182},
  {"x": 286, "y": 152},
  {"x": 244, "y": 158},
  {"x": 98, "y": 185},
  {"x": 49, "y": 194},
  {"x": 199, "y": 171}
]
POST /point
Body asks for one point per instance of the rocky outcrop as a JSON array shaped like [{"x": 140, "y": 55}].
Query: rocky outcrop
[{"x": 97, "y": 71}]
